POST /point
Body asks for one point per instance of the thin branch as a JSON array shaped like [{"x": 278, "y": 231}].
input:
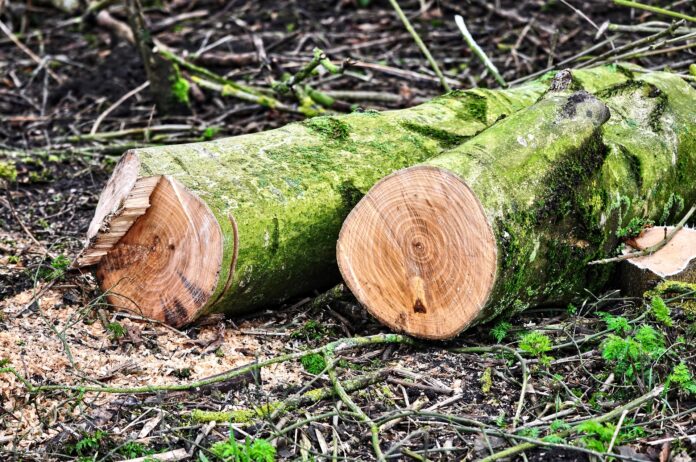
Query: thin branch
[
  {"x": 478, "y": 51},
  {"x": 655, "y": 9},
  {"x": 421, "y": 45}
]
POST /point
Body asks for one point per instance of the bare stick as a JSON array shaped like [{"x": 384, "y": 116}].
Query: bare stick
[
  {"x": 421, "y": 45},
  {"x": 654, "y": 9},
  {"x": 652, "y": 249},
  {"x": 6, "y": 30},
  {"x": 478, "y": 51},
  {"x": 101, "y": 117}
]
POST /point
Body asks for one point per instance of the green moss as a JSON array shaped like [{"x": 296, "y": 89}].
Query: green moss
[
  {"x": 486, "y": 381},
  {"x": 672, "y": 208},
  {"x": 313, "y": 363},
  {"x": 8, "y": 171},
  {"x": 235, "y": 416},
  {"x": 445, "y": 138},
  {"x": 331, "y": 128},
  {"x": 180, "y": 90},
  {"x": 673, "y": 290}
]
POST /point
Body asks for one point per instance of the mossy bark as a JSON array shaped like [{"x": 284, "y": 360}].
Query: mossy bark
[
  {"x": 559, "y": 179},
  {"x": 287, "y": 191}
]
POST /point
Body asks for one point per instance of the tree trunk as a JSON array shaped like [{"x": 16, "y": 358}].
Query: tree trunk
[
  {"x": 244, "y": 223},
  {"x": 511, "y": 218},
  {"x": 676, "y": 261}
]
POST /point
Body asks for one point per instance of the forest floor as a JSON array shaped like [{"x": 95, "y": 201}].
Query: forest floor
[{"x": 583, "y": 363}]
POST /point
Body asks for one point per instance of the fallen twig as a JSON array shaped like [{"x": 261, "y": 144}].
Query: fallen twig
[
  {"x": 478, "y": 51},
  {"x": 421, "y": 45}
]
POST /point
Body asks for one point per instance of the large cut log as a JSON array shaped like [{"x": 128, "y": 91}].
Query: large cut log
[
  {"x": 511, "y": 218},
  {"x": 243, "y": 223},
  {"x": 676, "y": 261}
]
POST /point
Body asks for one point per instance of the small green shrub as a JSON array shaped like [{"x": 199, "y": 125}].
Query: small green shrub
[
  {"x": 617, "y": 324},
  {"x": 57, "y": 268},
  {"x": 682, "y": 378},
  {"x": 180, "y": 90},
  {"x": 660, "y": 311},
  {"x": 500, "y": 331},
  {"x": 88, "y": 444},
  {"x": 597, "y": 435},
  {"x": 633, "y": 228},
  {"x": 133, "y": 449},
  {"x": 256, "y": 450},
  {"x": 629, "y": 354},
  {"x": 8, "y": 171},
  {"x": 116, "y": 329},
  {"x": 537, "y": 344}
]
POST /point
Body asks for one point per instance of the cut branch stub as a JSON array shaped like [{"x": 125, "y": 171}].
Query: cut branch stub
[
  {"x": 675, "y": 261},
  {"x": 432, "y": 250}
]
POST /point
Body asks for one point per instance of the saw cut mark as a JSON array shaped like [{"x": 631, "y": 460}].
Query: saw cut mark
[{"x": 167, "y": 264}]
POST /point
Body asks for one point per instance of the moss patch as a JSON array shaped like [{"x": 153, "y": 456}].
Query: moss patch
[{"x": 331, "y": 128}]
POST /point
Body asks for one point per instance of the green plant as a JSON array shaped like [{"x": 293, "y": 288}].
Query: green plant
[
  {"x": 559, "y": 425},
  {"x": 311, "y": 330},
  {"x": 536, "y": 344},
  {"x": 313, "y": 363},
  {"x": 8, "y": 171},
  {"x": 660, "y": 311},
  {"x": 500, "y": 420},
  {"x": 500, "y": 331},
  {"x": 209, "y": 133},
  {"x": 597, "y": 435},
  {"x": 116, "y": 329},
  {"x": 89, "y": 443},
  {"x": 57, "y": 269},
  {"x": 617, "y": 324},
  {"x": 629, "y": 354},
  {"x": 682, "y": 378},
  {"x": 532, "y": 432},
  {"x": 256, "y": 450},
  {"x": 133, "y": 449},
  {"x": 633, "y": 228}
]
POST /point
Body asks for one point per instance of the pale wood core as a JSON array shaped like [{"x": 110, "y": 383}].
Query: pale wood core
[
  {"x": 419, "y": 253},
  {"x": 672, "y": 259}
]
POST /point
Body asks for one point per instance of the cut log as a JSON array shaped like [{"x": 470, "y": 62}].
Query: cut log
[
  {"x": 676, "y": 261},
  {"x": 510, "y": 218},
  {"x": 239, "y": 224}
]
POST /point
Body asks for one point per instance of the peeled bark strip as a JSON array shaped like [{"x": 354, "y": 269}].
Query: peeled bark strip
[
  {"x": 511, "y": 217},
  {"x": 676, "y": 261},
  {"x": 244, "y": 223}
]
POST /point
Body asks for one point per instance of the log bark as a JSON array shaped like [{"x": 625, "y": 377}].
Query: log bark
[
  {"x": 244, "y": 223},
  {"x": 510, "y": 218},
  {"x": 676, "y": 261}
]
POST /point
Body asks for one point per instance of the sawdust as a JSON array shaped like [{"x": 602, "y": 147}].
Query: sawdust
[{"x": 146, "y": 354}]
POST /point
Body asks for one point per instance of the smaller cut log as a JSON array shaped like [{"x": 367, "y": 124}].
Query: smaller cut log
[{"x": 676, "y": 261}]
